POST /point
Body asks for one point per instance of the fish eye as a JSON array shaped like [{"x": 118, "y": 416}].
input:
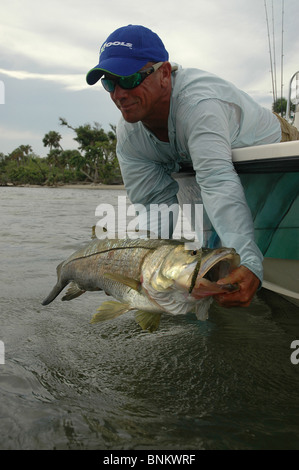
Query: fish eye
[{"x": 194, "y": 252}]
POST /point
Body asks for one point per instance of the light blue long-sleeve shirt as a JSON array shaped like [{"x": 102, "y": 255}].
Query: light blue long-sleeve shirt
[{"x": 208, "y": 117}]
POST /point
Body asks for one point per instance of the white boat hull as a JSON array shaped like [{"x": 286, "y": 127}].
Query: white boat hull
[{"x": 270, "y": 177}]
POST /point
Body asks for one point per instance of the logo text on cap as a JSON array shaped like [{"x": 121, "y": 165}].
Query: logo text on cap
[{"x": 115, "y": 43}]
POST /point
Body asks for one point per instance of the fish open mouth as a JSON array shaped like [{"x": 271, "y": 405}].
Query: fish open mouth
[{"x": 210, "y": 270}]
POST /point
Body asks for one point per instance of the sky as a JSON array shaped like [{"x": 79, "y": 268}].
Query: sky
[{"x": 48, "y": 46}]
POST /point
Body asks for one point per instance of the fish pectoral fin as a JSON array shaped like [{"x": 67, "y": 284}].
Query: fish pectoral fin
[
  {"x": 148, "y": 320},
  {"x": 109, "y": 310},
  {"x": 73, "y": 292},
  {"x": 202, "y": 308},
  {"x": 127, "y": 281}
]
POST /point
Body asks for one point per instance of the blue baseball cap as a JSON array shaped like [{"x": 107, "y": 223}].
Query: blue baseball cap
[{"x": 126, "y": 51}]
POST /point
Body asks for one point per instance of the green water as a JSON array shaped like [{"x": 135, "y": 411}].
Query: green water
[{"x": 227, "y": 383}]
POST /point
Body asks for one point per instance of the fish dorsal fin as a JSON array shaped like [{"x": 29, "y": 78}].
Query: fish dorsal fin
[
  {"x": 93, "y": 232},
  {"x": 109, "y": 310},
  {"x": 73, "y": 292},
  {"x": 100, "y": 232},
  {"x": 148, "y": 320},
  {"x": 127, "y": 281}
]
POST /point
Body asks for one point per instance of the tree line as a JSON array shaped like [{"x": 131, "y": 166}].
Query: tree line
[{"x": 95, "y": 160}]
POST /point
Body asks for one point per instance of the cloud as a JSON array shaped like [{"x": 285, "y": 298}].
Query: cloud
[
  {"x": 16, "y": 137},
  {"x": 48, "y": 47},
  {"x": 72, "y": 82}
]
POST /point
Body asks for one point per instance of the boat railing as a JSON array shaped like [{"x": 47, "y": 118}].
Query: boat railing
[{"x": 293, "y": 118}]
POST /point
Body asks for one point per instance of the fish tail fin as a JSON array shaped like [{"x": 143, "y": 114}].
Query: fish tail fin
[
  {"x": 148, "y": 320},
  {"x": 109, "y": 310},
  {"x": 57, "y": 288},
  {"x": 54, "y": 292}
]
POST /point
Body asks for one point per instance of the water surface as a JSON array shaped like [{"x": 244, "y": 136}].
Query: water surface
[{"x": 227, "y": 383}]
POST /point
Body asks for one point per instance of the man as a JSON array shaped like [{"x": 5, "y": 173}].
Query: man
[{"x": 172, "y": 115}]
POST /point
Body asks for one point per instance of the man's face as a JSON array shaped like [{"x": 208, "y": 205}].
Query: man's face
[{"x": 140, "y": 103}]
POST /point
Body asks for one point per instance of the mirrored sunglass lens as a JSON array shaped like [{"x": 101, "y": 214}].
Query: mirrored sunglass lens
[
  {"x": 130, "y": 82},
  {"x": 109, "y": 85},
  {"x": 127, "y": 83}
]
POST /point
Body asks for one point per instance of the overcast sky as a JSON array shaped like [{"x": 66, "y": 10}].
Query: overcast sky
[{"x": 48, "y": 46}]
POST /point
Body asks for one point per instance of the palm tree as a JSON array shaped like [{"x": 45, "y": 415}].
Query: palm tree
[
  {"x": 280, "y": 106},
  {"x": 52, "y": 140},
  {"x": 20, "y": 154},
  {"x": 26, "y": 149}
]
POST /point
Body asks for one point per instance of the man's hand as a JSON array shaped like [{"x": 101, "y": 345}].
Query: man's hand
[{"x": 248, "y": 283}]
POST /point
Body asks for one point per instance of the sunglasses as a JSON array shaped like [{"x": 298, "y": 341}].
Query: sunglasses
[{"x": 131, "y": 81}]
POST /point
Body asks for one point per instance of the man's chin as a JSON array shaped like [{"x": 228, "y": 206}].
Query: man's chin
[{"x": 129, "y": 118}]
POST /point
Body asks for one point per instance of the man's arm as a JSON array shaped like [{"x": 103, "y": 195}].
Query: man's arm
[
  {"x": 209, "y": 140},
  {"x": 149, "y": 186}
]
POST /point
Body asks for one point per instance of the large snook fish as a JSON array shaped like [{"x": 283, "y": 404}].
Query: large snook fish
[{"x": 147, "y": 275}]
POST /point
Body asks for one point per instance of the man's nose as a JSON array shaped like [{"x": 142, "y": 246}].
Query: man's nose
[{"x": 118, "y": 93}]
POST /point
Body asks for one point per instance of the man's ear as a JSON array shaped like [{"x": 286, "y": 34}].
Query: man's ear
[{"x": 165, "y": 74}]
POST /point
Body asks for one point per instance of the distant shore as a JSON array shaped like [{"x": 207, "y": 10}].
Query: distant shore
[{"x": 69, "y": 186}]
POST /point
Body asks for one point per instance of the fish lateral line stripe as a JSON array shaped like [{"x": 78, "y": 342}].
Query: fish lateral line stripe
[{"x": 111, "y": 249}]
